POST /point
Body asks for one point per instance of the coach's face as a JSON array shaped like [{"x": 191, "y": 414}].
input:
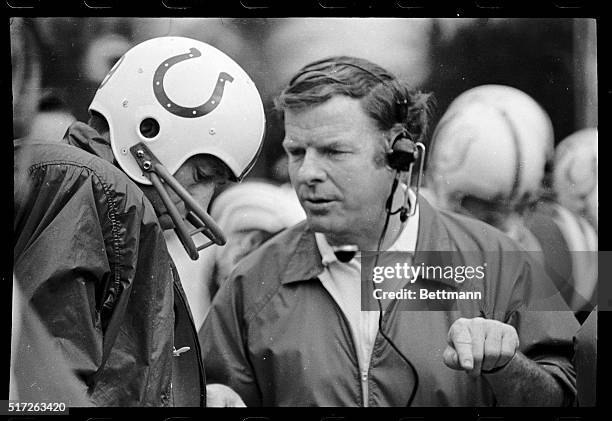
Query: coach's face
[{"x": 336, "y": 165}]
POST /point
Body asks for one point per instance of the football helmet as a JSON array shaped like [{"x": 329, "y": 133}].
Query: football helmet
[
  {"x": 170, "y": 98},
  {"x": 575, "y": 173},
  {"x": 491, "y": 146}
]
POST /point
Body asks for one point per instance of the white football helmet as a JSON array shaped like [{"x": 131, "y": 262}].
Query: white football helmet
[
  {"x": 575, "y": 173},
  {"x": 491, "y": 144},
  {"x": 170, "y": 98}
]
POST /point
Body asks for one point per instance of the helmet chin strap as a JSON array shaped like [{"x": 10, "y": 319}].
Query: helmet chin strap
[
  {"x": 165, "y": 221},
  {"x": 197, "y": 216}
]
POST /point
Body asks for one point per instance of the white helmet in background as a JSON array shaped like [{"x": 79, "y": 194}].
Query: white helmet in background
[
  {"x": 181, "y": 97},
  {"x": 491, "y": 144},
  {"x": 250, "y": 213},
  {"x": 170, "y": 98},
  {"x": 575, "y": 173}
]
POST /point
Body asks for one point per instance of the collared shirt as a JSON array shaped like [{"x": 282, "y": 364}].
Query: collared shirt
[{"x": 343, "y": 282}]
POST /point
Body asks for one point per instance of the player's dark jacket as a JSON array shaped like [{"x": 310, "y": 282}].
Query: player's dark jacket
[
  {"x": 276, "y": 336},
  {"x": 92, "y": 261}
]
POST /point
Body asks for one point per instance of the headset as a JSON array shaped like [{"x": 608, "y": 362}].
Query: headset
[{"x": 403, "y": 152}]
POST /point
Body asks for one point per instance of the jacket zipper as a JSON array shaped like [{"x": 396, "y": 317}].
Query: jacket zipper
[
  {"x": 360, "y": 375},
  {"x": 198, "y": 353},
  {"x": 379, "y": 338}
]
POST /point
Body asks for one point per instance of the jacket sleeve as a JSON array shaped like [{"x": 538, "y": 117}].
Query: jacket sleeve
[
  {"x": 545, "y": 324},
  {"x": 92, "y": 262},
  {"x": 60, "y": 260},
  {"x": 224, "y": 344},
  {"x": 37, "y": 366}
]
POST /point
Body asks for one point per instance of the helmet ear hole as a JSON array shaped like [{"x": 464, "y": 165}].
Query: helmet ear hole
[{"x": 149, "y": 128}]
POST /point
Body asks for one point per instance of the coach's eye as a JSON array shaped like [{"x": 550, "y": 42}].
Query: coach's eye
[
  {"x": 334, "y": 153},
  {"x": 295, "y": 152}
]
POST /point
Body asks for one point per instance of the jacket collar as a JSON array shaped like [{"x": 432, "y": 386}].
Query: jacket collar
[
  {"x": 305, "y": 262},
  {"x": 87, "y": 138},
  {"x": 432, "y": 235},
  {"x": 434, "y": 246}
]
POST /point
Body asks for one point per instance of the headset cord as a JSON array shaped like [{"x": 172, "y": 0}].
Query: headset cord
[{"x": 380, "y": 327}]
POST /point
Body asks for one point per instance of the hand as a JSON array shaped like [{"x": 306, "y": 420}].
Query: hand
[
  {"x": 480, "y": 344},
  {"x": 221, "y": 396}
]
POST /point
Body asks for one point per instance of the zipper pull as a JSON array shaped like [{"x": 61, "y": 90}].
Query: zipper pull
[{"x": 178, "y": 352}]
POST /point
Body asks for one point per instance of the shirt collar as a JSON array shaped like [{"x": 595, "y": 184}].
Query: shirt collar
[
  {"x": 406, "y": 241},
  {"x": 325, "y": 250}
]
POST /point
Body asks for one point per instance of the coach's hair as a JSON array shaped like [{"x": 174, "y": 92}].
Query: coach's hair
[{"x": 390, "y": 102}]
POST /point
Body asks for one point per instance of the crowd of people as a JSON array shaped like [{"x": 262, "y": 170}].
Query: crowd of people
[{"x": 150, "y": 272}]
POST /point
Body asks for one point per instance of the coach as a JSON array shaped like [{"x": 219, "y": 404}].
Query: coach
[{"x": 287, "y": 328}]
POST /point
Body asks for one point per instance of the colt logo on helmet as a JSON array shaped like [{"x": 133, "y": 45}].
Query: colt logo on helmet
[{"x": 168, "y": 104}]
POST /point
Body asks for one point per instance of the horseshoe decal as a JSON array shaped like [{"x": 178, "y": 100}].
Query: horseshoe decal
[{"x": 168, "y": 104}]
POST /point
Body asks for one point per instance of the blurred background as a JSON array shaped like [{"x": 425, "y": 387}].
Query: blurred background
[{"x": 552, "y": 60}]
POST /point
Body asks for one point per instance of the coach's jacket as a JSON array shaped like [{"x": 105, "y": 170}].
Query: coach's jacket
[
  {"x": 276, "y": 336},
  {"x": 91, "y": 259}
]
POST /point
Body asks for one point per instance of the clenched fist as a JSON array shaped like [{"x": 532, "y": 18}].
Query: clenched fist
[
  {"x": 477, "y": 345},
  {"x": 221, "y": 396}
]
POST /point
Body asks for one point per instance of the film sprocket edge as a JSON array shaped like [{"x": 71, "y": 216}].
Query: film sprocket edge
[{"x": 261, "y": 11}]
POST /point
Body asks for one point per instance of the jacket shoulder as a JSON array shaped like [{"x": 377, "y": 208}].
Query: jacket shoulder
[
  {"x": 259, "y": 274},
  {"x": 273, "y": 255},
  {"x": 285, "y": 242},
  {"x": 59, "y": 160},
  {"x": 472, "y": 234},
  {"x": 30, "y": 154}
]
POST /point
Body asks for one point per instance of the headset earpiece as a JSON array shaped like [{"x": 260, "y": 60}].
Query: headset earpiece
[{"x": 403, "y": 153}]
